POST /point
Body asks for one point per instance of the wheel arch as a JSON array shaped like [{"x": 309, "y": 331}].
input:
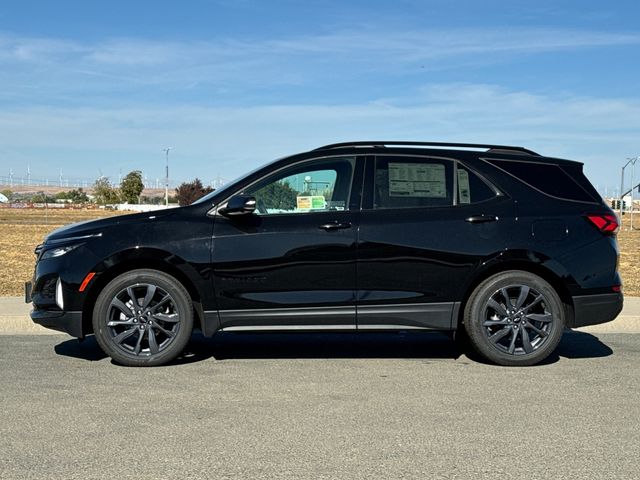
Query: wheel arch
[
  {"x": 548, "y": 270},
  {"x": 135, "y": 259}
]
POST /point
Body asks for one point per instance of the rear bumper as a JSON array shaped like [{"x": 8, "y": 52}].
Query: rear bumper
[
  {"x": 69, "y": 322},
  {"x": 595, "y": 309}
]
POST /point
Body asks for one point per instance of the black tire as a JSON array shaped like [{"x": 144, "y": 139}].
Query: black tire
[
  {"x": 154, "y": 332},
  {"x": 514, "y": 318}
]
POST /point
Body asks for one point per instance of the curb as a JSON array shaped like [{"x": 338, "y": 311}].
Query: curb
[
  {"x": 21, "y": 325},
  {"x": 622, "y": 324}
]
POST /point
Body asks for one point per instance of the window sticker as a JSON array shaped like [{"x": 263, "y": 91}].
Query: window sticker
[
  {"x": 417, "y": 180},
  {"x": 463, "y": 186},
  {"x": 313, "y": 202}
]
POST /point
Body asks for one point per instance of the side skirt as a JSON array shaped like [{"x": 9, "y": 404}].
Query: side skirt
[
  {"x": 298, "y": 318},
  {"x": 429, "y": 316},
  {"x": 421, "y": 316}
]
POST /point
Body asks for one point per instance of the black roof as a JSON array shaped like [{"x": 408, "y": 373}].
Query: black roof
[
  {"x": 510, "y": 152},
  {"x": 382, "y": 144}
]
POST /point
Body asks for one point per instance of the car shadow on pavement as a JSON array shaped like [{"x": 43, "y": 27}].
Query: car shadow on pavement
[
  {"x": 226, "y": 346},
  {"x": 573, "y": 345},
  {"x": 576, "y": 344},
  {"x": 87, "y": 349},
  {"x": 428, "y": 345}
]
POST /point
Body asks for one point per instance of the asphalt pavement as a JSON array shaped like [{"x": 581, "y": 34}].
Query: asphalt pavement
[{"x": 349, "y": 406}]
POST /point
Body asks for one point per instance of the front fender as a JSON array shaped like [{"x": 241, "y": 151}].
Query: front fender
[{"x": 195, "y": 278}]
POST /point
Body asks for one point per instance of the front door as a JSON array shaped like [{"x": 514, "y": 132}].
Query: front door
[{"x": 292, "y": 263}]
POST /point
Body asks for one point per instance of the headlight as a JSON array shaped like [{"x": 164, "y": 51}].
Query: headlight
[{"x": 59, "y": 251}]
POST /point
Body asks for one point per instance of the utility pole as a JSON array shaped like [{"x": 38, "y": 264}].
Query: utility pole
[
  {"x": 28, "y": 174},
  {"x": 631, "y": 161},
  {"x": 633, "y": 170},
  {"x": 11, "y": 177},
  {"x": 622, "y": 189},
  {"x": 166, "y": 177}
]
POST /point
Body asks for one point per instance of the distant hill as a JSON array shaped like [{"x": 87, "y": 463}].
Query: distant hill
[{"x": 52, "y": 190}]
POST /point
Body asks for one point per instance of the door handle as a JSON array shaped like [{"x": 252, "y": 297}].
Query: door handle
[
  {"x": 335, "y": 226},
  {"x": 481, "y": 219}
]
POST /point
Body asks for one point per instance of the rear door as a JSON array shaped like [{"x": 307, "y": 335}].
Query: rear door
[
  {"x": 426, "y": 225},
  {"x": 292, "y": 263}
]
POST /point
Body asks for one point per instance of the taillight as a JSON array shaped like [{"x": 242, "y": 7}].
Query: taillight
[{"x": 606, "y": 223}]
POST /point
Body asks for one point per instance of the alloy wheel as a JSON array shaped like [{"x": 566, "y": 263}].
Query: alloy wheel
[
  {"x": 517, "y": 320},
  {"x": 142, "y": 320}
]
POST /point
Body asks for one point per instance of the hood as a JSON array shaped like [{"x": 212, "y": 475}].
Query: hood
[{"x": 98, "y": 226}]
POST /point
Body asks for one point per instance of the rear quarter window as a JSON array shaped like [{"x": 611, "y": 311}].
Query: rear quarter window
[
  {"x": 547, "y": 178},
  {"x": 471, "y": 188}
]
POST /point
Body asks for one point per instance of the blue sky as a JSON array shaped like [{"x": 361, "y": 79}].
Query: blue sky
[{"x": 102, "y": 87}]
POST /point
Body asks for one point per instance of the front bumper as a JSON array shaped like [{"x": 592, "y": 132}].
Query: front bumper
[
  {"x": 595, "y": 309},
  {"x": 69, "y": 322}
]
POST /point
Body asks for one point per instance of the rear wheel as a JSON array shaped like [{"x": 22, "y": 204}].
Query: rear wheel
[
  {"x": 514, "y": 318},
  {"x": 143, "y": 318}
]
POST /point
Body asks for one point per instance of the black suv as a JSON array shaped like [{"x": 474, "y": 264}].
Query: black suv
[{"x": 497, "y": 242}]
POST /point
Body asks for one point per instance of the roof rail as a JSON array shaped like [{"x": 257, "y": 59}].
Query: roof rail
[{"x": 495, "y": 148}]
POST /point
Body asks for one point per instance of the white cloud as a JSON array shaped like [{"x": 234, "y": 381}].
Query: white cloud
[
  {"x": 423, "y": 45},
  {"x": 116, "y": 103},
  {"x": 293, "y": 60},
  {"x": 228, "y": 141}
]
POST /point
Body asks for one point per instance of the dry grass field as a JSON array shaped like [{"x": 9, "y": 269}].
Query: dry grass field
[
  {"x": 629, "y": 243},
  {"x": 23, "y": 229}
]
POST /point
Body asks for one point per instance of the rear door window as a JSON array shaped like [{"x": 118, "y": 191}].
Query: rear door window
[{"x": 409, "y": 182}]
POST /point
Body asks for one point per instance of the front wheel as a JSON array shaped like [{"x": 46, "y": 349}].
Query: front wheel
[
  {"x": 143, "y": 318},
  {"x": 514, "y": 318}
]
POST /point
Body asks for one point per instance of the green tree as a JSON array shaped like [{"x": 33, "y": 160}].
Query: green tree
[
  {"x": 41, "y": 197},
  {"x": 104, "y": 192},
  {"x": 7, "y": 193},
  {"x": 131, "y": 187},
  {"x": 189, "y": 192},
  {"x": 277, "y": 195},
  {"x": 64, "y": 196},
  {"x": 77, "y": 196}
]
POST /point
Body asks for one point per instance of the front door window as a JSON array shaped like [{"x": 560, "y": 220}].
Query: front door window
[{"x": 318, "y": 186}]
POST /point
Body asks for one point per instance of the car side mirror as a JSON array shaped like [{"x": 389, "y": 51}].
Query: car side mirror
[{"x": 238, "y": 205}]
